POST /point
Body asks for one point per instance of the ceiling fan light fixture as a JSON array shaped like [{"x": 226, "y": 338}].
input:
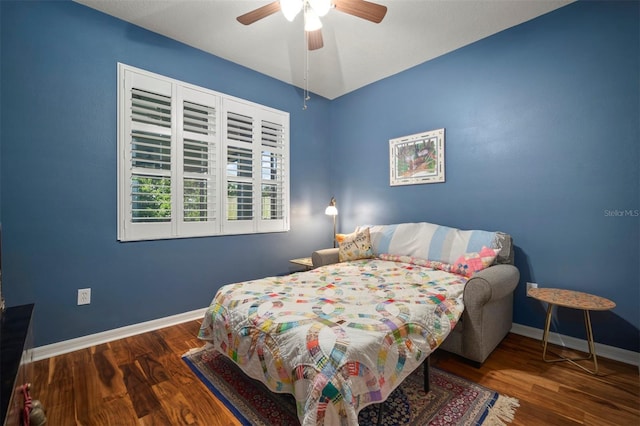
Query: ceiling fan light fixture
[
  {"x": 311, "y": 20},
  {"x": 320, "y": 7},
  {"x": 290, "y": 8}
]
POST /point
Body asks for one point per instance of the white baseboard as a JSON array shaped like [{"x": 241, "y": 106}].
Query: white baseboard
[
  {"x": 48, "y": 351},
  {"x": 604, "y": 351}
]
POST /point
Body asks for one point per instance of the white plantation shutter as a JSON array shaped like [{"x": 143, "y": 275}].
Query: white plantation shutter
[
  {"x": 200, "y": 151},
  {"x": 240, "y": 169},
  {"x": 147, "y": 184},
  {"x": 273, "y": 158},
  {"x": 193, "y": 162},
  {"x": 255, "y": 143}
]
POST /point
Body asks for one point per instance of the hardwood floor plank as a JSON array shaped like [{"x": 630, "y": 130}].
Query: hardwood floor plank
[
  {"x": 155, "y": 418},
  {"x": 152, "y": 368},
  {"x": 121, "y": 352},
  {"x": 156, "y": 343},
  {"x": 109, "y": 375},
  {"x": 58, "y": 388},
  {"x": 534, "y": 415},
  {"x": 175, "y": 404},
  {"x": 602, "y": 408},
  {"x": 106, "y": 369},
  {"x": 139, "y": 390},
  {"x": 61, "y": 414},
  {"x": 116, "y": 411},
  {"x": 142, "y": 380},
  {"x": 88, "y": 387},
  {"x": 590, "y": 419},
  {"x": 556, "y": 402}
]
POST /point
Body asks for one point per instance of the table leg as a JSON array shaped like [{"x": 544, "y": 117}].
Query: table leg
[
  {"x": 427, "y": 374},
  {"x": 545, "y": 335},
  {"x": 592, "y": 347}
]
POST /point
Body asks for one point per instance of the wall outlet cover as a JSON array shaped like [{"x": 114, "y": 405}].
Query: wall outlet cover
[{"x": 84, "y": 296}]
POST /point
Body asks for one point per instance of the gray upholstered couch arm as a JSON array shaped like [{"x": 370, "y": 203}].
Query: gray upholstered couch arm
[
  {"x": 324, "y": 257},
  {"x": 488, "y": 313},
  {"x": 490, "y": 284}
]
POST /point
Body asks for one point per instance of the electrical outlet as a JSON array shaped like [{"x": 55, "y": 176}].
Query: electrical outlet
[
  {"x": 84, "y": 296},
  {"x": 530, "y": 286}
]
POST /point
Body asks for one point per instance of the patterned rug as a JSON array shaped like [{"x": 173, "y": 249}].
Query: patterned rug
[{"x": 452, "y": 400}]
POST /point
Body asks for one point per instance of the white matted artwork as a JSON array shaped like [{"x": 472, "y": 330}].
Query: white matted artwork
[{"x": 416, "y": 159}]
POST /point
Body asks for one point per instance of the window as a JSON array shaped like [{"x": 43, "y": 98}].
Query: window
[{"x": 194, "y": 162}]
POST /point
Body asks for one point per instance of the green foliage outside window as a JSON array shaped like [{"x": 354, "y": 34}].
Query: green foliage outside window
[{"x": 151, "y": 199}]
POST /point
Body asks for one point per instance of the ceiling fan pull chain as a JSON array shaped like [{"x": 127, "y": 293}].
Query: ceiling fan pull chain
[{"x": 305, "y": 93}]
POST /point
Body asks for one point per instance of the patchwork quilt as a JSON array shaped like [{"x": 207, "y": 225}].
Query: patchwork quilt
[{"x": 339, "y": 337}]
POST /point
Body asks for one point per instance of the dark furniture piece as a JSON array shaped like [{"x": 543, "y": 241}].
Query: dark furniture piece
[{"x": 16, "y": 343}]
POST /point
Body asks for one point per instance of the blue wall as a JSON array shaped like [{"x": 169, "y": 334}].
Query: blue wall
[
  {"x": 542, "y": 135},
  {"x": 542, "y": 142},
  {"x": 59, "y": 63}
]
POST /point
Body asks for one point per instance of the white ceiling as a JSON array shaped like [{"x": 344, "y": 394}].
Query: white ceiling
[{"x": 356, "y": 52}]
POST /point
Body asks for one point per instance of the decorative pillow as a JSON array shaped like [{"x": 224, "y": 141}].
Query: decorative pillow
[
  {"x": 469, "y": 263},
  {"x": 354, "y": 246}
]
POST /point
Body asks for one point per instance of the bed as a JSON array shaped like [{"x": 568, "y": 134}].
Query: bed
[{"x": 343, "y": 336}]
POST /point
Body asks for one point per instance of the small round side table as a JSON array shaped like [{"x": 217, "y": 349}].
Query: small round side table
[{"x": 574, "y": 300}]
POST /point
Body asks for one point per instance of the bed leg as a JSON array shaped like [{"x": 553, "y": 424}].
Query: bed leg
[
  {"x": 380, "y": 411},
  {"x": 425, "y": 366}
]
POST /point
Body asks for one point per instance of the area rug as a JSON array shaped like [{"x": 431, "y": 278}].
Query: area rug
[{"x": 452, "y": 400}]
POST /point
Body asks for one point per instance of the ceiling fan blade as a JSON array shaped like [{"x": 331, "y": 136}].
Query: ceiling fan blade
[
  {"x": 314, "y": 39},
  {"x": 362, "y": 9},
  {"x": 259, "y": 13}
]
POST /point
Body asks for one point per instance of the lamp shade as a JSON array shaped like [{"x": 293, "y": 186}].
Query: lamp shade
[{"x": 331, "y": 211}]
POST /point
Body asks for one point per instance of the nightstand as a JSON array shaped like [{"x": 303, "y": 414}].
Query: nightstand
[
  {"x": 16, "y": 344},
  {"x": 304, "y": 262}
]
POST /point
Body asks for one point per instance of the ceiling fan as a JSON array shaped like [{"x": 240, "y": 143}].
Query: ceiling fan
[{"x": 313, "y": 10}]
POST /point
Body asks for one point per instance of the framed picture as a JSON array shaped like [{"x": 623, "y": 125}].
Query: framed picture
[{"x": 417, "y": 158}]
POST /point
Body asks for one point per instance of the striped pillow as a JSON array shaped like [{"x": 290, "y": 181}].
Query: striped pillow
[{"x": 428, "y": 241}]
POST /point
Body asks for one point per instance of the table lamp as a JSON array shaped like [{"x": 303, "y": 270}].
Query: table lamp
[{"x": 331, "y": 210}]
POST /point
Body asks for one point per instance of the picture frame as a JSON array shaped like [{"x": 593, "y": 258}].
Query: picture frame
[{"x": 417, "y": 159}]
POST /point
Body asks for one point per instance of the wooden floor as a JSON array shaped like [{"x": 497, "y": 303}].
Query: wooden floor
[{"x": 142, "y": 380}]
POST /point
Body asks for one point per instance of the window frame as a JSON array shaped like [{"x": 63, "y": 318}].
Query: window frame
[{"x": 207, "y": 150}]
